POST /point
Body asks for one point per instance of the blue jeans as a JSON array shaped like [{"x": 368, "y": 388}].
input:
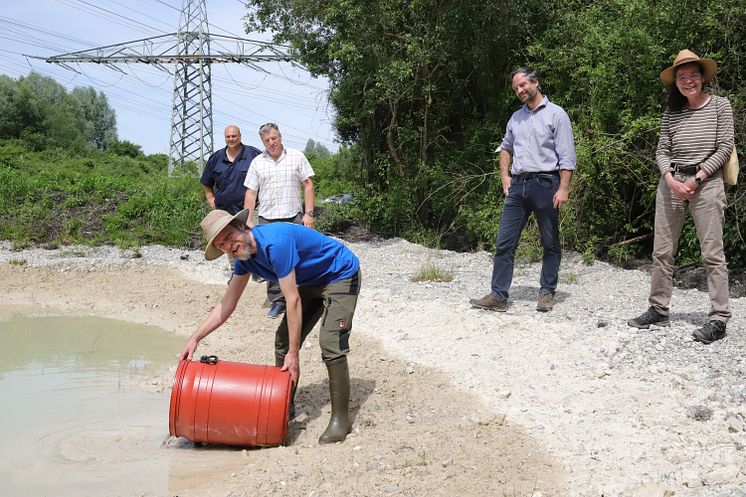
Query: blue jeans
[{"x": 526, "y": 195}]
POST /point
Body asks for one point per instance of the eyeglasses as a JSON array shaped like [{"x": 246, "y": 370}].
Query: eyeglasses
[
  {"x": 265, "y": 128},
  {"x": 692, "y": 77}
]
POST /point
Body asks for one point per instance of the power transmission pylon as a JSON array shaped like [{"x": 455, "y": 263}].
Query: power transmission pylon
[{"x": 189, "y": 49}]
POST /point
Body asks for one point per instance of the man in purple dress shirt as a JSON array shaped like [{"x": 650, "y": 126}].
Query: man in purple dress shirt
[{"x": 539, "y": 143}]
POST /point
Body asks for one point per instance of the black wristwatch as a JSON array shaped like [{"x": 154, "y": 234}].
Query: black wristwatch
[
  {"x": 311, "y": 213},
  {"x": 697, "y": 180}
]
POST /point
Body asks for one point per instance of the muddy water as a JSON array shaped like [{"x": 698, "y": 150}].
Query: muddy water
[{"x": 80, "y": 413}]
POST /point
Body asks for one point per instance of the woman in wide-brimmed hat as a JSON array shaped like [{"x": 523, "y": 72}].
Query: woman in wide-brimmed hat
[{"x": 696, "y": 140}]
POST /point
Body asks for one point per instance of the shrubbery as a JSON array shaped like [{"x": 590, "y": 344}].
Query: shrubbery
[{"x": 95, "y": 198}]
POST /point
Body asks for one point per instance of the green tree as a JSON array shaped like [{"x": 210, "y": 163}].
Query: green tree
[
  {"x": 99, "y": 118},
  {"x": 40, "y": 111},
  {"x": 316, "y": 149}
]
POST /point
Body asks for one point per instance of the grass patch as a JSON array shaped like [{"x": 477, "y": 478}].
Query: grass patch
[
  {"x": 17, "y": 262},
  {"x": 432, "y": 272}
]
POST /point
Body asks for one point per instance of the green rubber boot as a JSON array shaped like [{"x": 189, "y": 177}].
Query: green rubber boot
[
  {"x": 339, "y": 391},
  {"x": 279, "y": 362}
]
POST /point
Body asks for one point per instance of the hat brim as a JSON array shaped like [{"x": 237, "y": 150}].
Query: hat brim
[
  {"x": 211, "y": 251},
  {"x": 709, "y": 67}
]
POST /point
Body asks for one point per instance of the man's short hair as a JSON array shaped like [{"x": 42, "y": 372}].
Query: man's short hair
[
  {"x": 531, "y": 74},
  {"x": 266, "y": 128}
]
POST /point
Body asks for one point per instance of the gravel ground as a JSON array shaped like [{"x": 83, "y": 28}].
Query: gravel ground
[{"x": 626, "y": 411}]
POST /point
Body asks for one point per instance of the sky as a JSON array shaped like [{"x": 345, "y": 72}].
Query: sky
[{"x": 142, "y": 96}]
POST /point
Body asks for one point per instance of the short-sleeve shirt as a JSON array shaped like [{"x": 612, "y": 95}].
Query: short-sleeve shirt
[
  {"x": 540, "y": 140},
  {"x": 278, "y": 183},
  {"x": 317, "y": 259},
  {"x": 226, "y": 178}
]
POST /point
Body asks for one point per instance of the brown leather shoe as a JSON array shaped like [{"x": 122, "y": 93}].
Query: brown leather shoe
[
  {"x": 490, "y": 303},
  {"x": 546, "y": 302}
]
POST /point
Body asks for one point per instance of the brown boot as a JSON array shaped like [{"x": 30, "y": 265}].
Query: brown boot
[
  {"x": 490, "y": 303},
  {"x": 546, "y": 302},
  {"x": 279, "y": 362},
  {"x": 339, "y": 391}
]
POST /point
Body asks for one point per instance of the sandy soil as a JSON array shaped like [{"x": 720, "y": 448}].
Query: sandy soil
[{"x": 416, "y": 433}]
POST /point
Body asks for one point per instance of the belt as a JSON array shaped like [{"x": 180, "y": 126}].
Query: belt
[
  {"x": 537, "y": 174},
  {"x": 684, "y": 169}
]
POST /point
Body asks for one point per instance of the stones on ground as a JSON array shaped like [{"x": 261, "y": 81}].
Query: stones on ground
[
  {"x": 504, "y": 394},
  {"x": 652, "y": 490},
  {"x": 699, "y": 413},
  {"x": 722, "y": 475}
]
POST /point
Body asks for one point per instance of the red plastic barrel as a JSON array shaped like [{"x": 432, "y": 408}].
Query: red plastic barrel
[{"x": 229, "y": 403}]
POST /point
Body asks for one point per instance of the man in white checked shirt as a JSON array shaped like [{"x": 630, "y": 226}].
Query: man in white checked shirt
[{"x": 275, "y": 179}]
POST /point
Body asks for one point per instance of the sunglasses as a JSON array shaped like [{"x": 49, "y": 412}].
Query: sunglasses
[{"x": 264, "y": 128}]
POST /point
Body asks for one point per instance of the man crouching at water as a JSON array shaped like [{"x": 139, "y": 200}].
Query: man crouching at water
[{"x": 319, "y": 278}]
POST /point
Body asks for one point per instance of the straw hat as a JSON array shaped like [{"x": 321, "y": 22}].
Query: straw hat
[
  {"x": 684, "y": 57},
  {"x": 213, "y": 224}
]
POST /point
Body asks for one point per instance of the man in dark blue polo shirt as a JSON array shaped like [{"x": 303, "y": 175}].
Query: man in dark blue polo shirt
[{"x": 225, "y": 172}]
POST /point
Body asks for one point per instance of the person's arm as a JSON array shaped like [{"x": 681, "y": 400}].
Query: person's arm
[
  {"x": 310, "y": 202},
  {"x": 209, "y": 195},
  {"x": 505, "y": 159},
  {"x": 219, "y": 314},
  {"x": 294, "y": 315},
  {"x": 724, "y": 142},
  {"x": 249, "y": 202}
]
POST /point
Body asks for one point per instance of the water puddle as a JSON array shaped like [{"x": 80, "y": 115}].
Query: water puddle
[{"x": 80, "y": 417}]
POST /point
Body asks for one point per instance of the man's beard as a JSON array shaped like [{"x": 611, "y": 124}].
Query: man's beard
[{"x": 243, "y": 253}]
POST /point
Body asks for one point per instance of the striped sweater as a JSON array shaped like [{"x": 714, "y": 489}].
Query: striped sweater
[{"x": 701, "y": 137}]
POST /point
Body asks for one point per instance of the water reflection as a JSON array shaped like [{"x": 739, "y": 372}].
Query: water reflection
[{"x": 76, "y": 420}]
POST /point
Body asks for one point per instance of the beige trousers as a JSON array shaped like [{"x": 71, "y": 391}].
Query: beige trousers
[{"x": 708, "y": 209}]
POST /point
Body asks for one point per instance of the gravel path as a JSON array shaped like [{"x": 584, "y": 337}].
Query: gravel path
[{"x": 628, "y": 412}]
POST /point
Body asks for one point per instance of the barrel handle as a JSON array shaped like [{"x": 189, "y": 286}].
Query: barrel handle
[{"x": 209, "y": 359}]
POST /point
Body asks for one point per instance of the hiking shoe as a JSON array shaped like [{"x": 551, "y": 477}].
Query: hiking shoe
[
  {"x": 546, "y": 302},
  {"x": 651, "y": 316},
  {"x": 490, "y": 303},
  {"x": 276, "y": 309},
  {"x": 710, "y": 332}
]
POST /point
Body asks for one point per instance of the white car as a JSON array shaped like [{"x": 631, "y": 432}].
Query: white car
[{"x": 340, "y": 198}]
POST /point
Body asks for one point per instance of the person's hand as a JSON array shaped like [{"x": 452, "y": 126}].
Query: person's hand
[
  {"x": 188, "y": 350},
  {"x": 681, "y": 190},
  {"x": 691, "y": 184},
  {"x": 307, "y": 221},
  {"x": 506, "y": 186},
  {"x": 292, "y": 365},
  {"x": 560, "y": 198}
]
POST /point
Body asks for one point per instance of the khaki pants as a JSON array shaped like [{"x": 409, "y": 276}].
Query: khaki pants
[
  {"x": 707, "y": 208},
  {"x": 335, "y": 305}
]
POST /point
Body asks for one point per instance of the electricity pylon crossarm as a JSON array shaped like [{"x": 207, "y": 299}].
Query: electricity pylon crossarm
[{"x": 189, "y": 49}]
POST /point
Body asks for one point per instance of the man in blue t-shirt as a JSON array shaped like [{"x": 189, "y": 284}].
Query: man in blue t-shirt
[
  {"x": 319, "y": 278},
  {"x": 225, "y": 172}
]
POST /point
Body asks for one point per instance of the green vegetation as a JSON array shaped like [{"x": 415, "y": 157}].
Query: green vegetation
[
  {"x": 421, "y": 95},
  {"x": 42, "y": 113},
  {"x": 57, "y": 197},
  {"x": 431, "y": 272}
]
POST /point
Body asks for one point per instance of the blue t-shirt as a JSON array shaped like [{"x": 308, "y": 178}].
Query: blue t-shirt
[
  {"x": 226, "y": 178},
  {"x": 281, "y": 247}
]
